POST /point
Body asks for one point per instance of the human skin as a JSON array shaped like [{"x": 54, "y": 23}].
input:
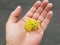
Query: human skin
[{"x": 15, "y": 31}]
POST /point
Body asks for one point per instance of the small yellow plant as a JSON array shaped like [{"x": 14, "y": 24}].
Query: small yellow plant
[{"x": 32, "y": 24}]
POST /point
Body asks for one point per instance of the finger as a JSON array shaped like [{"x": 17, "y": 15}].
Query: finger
[
  {"x": 15, "y": 14},
  {"x": 33, "y": 9},
  {"x": 47, "y": 0},
  {"x": 40, "y": 9},
  {"x": 44, "y": 13},
  {"x": 47, "y": 20}
]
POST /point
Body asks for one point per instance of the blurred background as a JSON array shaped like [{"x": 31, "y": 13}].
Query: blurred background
[{"x": 52, "y": 33}]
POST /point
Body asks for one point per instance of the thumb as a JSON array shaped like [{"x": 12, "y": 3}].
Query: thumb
[{"x": 15, "y": 14}]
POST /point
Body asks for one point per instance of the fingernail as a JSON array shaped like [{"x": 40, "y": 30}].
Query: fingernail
[{"x": 18, "y": 7}]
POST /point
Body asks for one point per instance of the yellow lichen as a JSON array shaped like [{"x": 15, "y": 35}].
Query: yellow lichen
[{"x": 32, "y": 25}]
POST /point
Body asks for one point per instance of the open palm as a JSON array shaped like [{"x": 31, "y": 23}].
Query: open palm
[{"x": 15, "y": 31}]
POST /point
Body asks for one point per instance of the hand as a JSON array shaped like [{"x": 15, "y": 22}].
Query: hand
[{"x": 15, "y": 31}]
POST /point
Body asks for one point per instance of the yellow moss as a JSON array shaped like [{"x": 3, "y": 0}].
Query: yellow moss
[{"x": 32, "y": 25}]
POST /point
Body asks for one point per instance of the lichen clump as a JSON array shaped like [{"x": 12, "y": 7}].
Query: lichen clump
[{"x": 32, "y": 25}]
